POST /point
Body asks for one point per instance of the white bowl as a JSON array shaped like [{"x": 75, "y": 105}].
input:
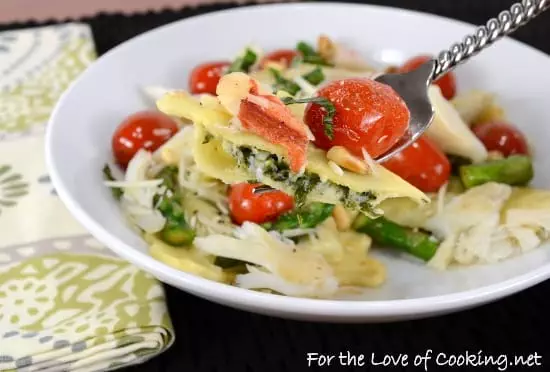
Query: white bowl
[{"x": 78, "y": 142}]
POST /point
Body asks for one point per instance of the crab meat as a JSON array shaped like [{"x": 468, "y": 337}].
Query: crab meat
[{"x": 265, "y": 115}]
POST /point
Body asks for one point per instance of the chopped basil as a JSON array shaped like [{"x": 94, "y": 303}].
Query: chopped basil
[
  {"x": 315, "y": 76},
  {"x": 108, "y": 175},
  {"x": 316, "y": 60},
  {"x": 243, "y": 63},
  {"x": 284, "y": 84},
  {"x": 325, "y": 103},
  {"x": 306, "y": 49},
  {"x": 309, "y": 55}
]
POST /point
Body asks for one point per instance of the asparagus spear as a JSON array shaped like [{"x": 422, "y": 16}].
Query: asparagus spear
[
  {"x": 385, "y": 232},
  {"x": 310, "y": 55},
  {"x": 306, "y": 217},
  {"x": 176, "y": 231},
  {"x": 516, "y": 170}
]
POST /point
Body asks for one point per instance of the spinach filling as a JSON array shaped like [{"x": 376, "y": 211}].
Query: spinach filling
[{"x": 261, "y": 163}]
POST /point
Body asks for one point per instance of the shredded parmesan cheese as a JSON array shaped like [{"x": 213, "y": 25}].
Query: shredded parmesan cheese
[
  {"x": 216, "y": 228},
  {"x": 235, "y": 123},
  {"x": 193, "y": 221},
  {"x": 168, "y": 156},
  {"x": 441, "y": 197},
  {"x": 275, "y": 65},
  {"x": 257, "y": 100},
  {"x": 310, "y": 135},
  {"x": 369, "y": 161},
  {"x": 296, "y": 232},
  {"x": 306, "y": 87}
]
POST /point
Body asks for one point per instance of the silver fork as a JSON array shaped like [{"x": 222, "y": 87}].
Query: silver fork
[{"x": 413, "y": 86}]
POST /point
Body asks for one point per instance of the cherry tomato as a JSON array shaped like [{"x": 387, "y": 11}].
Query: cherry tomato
[
  {"x": 369, "y": 115},
  {"x": 422, "y": 164},
  {"x": 204, "y": 78},
  {"x": 447, "y": 83},
  {"x": 502, "y": 137},
  {"x": 283, "y": 56},
  {"x": 143, "y": 130},
  {"x": 258, "y": 208}
]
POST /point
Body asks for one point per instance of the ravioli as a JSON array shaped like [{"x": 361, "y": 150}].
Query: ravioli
[{"x": 214, "y": 133}]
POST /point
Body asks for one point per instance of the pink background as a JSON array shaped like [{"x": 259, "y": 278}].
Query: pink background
[{"x": 25, "y": 10}]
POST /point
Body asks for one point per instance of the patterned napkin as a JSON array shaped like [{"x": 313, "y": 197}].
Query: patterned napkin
[{"x": 66, "y": 302}]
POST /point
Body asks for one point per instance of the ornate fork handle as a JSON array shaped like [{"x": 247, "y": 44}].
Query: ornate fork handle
[{"x": 507, "y": 22}]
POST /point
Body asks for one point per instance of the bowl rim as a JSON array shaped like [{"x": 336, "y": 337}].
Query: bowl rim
[{"x": 234, "y": 296}]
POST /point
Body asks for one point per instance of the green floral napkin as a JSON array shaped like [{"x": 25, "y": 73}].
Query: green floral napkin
[{"x": 66, "y": 302}]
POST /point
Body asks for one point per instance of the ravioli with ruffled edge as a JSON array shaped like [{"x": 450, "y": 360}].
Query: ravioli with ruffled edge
[{"x": 225, "y": 151}]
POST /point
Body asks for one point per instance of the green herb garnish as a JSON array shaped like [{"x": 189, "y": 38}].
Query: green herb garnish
[
  {"x": 284, "y": 84},
  {"x": 309, "y": 55},
  {"x": 315, "y": 76},
  {"x": 306, "y": 217},
  {"x": 322, "y": 101},
  {"x": 305, "y": 49},
  {"x": 243, "y": 63},
  {"x": 316, "y": 60},
  {"x": 108, "y": 175}
]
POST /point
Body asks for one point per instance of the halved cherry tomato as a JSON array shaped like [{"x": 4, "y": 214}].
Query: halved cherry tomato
[
  {"x": 422, "y": 164},
  {"x": 283, "y": 56},
  {"x": 369, "y": 115},
  {"x": 143, "y": 130},
  {"x": 447, "y": 83},
  {"x": 204, "y": 78},
  {"x": 501, "y": 137},
  {"x": 244, "y": 205}
]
